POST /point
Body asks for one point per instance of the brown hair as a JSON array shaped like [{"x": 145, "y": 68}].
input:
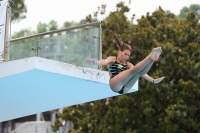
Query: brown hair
[{"x": 121, "y": 45}]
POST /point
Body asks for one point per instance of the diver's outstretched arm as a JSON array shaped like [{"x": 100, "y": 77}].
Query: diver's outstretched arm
[
  {"x": 99, "y": 62},
  {"x": 155, "y": 81}
]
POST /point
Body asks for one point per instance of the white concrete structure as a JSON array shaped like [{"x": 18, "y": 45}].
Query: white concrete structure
[{"x": 33, "y": 85}]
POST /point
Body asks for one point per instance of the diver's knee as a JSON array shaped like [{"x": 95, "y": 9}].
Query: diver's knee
[
  {"x": 125, "y": 90},
  {"x": 135, "y": 69}
]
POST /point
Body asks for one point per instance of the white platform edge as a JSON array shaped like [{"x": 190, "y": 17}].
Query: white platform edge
[{"x": 23, "y": 65}]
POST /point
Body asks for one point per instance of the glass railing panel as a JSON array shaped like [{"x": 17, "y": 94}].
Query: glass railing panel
[
  {"x": 22, "y": 49},
  {"x": 72, "y": 47}
]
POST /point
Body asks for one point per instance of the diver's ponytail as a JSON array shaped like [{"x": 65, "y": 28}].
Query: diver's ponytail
[
  {"x": 118, "y": 41},
  {"x": 121, "y": 46}
]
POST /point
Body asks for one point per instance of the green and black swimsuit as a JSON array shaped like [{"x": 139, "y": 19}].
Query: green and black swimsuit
[{"x": 116, "y": 68}]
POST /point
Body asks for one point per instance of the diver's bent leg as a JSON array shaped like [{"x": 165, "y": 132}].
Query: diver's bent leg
[
  {"x": 132, "y": 81},
  {"x": 123, "y": 78}
]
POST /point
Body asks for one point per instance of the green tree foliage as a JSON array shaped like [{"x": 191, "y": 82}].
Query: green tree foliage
[
  {"x": 19, "y": 10},
  {"x": 185, "y": 10},
  {"x": 42, "y": 27},
  {"x": 70, "y": 24},
  {"x": 53, "y": 25},
  {"x": 22, "y": 33},
  {"x": 170, "y": 106}
]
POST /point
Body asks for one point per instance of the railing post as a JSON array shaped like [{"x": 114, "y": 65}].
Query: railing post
[
  {"x": 5, "y": 51},
  {"x": 6, "y": 33},
  {"x": 100, "y": 45},
  {"x": 37, "y": 47}
]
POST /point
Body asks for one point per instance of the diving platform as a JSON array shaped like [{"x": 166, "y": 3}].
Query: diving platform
[{"x": 33, "y": 85}]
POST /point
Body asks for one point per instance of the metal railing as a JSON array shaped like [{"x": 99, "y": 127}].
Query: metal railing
[{"x": 71, "y": 45}]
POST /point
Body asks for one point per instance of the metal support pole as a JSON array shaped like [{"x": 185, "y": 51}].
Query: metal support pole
[
  {"x": 37, "y": 47},
  {"x": 38, "y": 116},
  {"x": 9, "y": 126},
  {"x": 1, "y": 127},
  {"x": 53, "y": 117},
  {"x": 100, "y": 45},
  {"x": 60, "y": 128},
  {"x": 6, "y": 33}
]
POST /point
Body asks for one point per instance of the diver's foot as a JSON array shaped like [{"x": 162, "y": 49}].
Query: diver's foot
[{"x": 155, "y": 53}]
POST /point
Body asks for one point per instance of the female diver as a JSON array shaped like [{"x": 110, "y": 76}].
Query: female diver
[{"x": 123, "y": 74}]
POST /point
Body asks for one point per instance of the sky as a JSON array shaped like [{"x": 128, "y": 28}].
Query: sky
[{"x": 75, "y": 10}]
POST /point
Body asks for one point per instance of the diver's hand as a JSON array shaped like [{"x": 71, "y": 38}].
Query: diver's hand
[
  {"x": 91, "y": 61},
  {"x": 155, "y": 81}
]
